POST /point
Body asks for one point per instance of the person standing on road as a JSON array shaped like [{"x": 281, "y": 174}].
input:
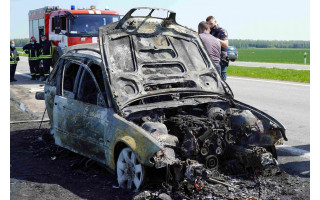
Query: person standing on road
[
  {"x": 46, "y": 56},
  {"x": 222, "y": 35},
  {"x": 211, "y": 43},
  {"x": 33, "y": 49},
  {"x": 14, "y": 58}
]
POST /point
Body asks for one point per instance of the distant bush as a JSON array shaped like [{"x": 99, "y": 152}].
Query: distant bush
[
  {"x": 297, "y": 44},
  {"x": 21, "y": 42}
]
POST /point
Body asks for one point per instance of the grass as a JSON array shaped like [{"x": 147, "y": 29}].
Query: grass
[
  {"x": 270, "y": 73},
  {"x": 274, "y": 55},
  {"x": 19, "y": 49}
]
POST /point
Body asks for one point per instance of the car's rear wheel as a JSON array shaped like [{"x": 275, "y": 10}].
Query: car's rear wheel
[{"x": 130, "y": 173}]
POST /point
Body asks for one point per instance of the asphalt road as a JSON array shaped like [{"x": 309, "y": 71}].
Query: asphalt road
[
  {"x": 271, "y": 65},
  {"x": 289, "y": 103}
]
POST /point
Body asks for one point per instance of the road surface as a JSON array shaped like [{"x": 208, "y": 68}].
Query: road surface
[
  {"x": 289, "y": 103},
  {"x": 271, "y": 65}
]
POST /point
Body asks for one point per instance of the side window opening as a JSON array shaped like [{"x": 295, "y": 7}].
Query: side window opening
[
  {"x": 52, "y": 80},
  {"x": 69, "y": 78},
  {"x": 88, "y": 91},
  {"x": 97, "y": 72}
]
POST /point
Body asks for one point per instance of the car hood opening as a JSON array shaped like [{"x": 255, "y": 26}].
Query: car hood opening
[{"x": 149, "y": 55}]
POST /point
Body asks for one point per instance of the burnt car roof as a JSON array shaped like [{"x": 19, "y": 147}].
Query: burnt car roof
[
  {"x": 146, "y": 56},
  {"x": 91, "y": 50}
]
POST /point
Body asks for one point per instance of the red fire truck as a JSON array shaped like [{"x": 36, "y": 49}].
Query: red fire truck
[{"x": 67, "y": 27}]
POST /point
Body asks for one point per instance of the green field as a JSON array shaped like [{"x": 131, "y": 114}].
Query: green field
[
  {"x": 270, "y": 73},
  {"x": 274, "y": 55},
  {"x": 19, "y": 49}
]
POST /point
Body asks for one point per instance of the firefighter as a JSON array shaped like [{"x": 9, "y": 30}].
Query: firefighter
[
  {"x": 33, "y": 49},
  {"x": 14, "y": 58},
  {"x": 46, "y": 56}
]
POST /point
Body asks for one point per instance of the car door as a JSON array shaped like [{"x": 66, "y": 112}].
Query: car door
[
  {"x": 50, "y": 88},
  {"x": 64, "y": 123},
  {"x": 84, "y": 114},
  {"x": 93, "y": 115}
]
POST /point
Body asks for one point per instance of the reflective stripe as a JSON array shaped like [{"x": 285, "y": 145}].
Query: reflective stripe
[
  {"x": 13, "y": 61},
  {"x": 32, "y": 74},
  {"x": 45, "y": 56},
  {"x": 46, "y": 74},
  {"x": 33, "y": 58}
]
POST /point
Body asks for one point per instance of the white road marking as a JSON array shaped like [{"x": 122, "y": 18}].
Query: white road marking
[
  {"x": 23, "y": 74},
  {"x": 294, "y": 151},
  {"x": 266, "y": 81},
  {"x": 36, "y": 90}
]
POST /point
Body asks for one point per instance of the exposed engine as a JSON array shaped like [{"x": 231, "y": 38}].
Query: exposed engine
[{"x": 209, "y": 135}]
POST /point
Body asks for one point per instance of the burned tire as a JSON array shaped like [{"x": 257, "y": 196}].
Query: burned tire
[{"x": 130, "y": 173}]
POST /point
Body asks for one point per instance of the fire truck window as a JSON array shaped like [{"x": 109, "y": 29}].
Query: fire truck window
[
  {"x": 52, "y": 24},
  {"x": 69, "y": 77},
  {"x": 63, "y": 23}
]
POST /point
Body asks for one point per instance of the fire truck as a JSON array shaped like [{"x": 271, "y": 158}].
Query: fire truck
[{"x": 67, "y": 27}]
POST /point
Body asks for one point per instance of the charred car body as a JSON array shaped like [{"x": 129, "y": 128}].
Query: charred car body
[{"x": 149, "y": 95}]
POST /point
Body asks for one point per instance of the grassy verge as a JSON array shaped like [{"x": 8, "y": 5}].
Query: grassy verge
[
  {"x": 21, "y": 53},
  {"x": 274, "y": 55},
  {"x": 270, "y": 73}
]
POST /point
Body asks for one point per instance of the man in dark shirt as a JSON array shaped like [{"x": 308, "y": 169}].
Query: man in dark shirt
[
  {"x": 33, "y": 49},
  {"x": 14, "y": 58},
  {"x": 211, "y": 43},
  {"x": 46, "y": 56},
  {"x": 222, "y": 36}
]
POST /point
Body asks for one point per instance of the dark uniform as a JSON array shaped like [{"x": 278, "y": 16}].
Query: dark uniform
[
  {"x": 46, "y": 57},
  {"x": 34, "y": 61},
  {"x": 14, "y": 58},
  {"x": 222, "y": 34}
]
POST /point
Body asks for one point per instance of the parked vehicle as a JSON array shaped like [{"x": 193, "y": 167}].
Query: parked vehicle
[
  {"x": 67, "y": 27},
  {"x": 149, "y": 95},
  {"x": 232, "y": 53}
]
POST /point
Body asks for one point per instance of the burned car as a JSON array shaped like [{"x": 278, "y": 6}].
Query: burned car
[{"x": 148, "y": 95}]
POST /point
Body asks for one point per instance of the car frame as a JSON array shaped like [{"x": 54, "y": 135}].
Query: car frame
[{"x": 94, "y": 114}]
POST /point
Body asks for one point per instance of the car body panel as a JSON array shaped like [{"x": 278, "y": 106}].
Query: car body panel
[
  {"x": 161, "y": 93},
  {"x": 142, "y": 52}
]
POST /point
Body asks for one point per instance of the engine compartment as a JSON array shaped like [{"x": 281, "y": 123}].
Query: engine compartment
[{"x": 215, "y": 135}]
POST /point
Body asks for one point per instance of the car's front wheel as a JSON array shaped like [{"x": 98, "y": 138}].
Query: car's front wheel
[{"x": 130, "y": 173}]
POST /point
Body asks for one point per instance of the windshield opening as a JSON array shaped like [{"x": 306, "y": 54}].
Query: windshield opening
[{"x": 88, "y": 25}]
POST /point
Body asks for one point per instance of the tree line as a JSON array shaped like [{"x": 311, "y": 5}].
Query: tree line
[
  {"x": 240, "y": 44},
  {"x": 243, "y": 44},
  {"x": 21, "y": 42}
]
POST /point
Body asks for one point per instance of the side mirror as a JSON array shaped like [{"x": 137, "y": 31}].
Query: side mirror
[{"x": 40, "y": 95}]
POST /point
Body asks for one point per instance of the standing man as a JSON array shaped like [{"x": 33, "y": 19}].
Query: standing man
[
  {"x": 46, "y": 56},
  {"x": 211, "y": 43},
  {"x": 222, "y": 35},
  {"x": 33, "y": 49},
  {"x": 14, "y": 58}
]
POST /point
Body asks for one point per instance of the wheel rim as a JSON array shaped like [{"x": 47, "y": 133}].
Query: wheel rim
[{"x": 130, "y": 172}]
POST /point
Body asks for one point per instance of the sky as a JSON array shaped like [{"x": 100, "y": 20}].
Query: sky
[{"x": 245, "y": 19}]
